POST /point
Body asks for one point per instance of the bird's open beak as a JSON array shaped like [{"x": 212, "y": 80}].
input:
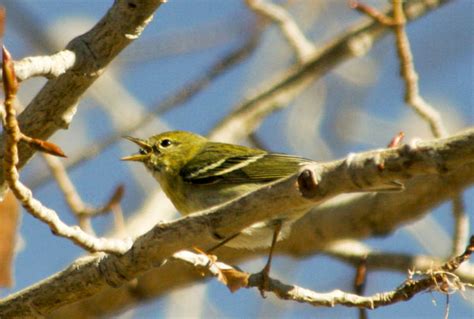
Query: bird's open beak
[
  {"x": 137, "y": 157},
  {"x": 139, "y": 142}
]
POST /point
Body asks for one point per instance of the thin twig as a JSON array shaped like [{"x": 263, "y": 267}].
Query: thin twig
[
  {"x": 82, "y": 211},
  {"x": 438, "y": 279},
  {"x": 461, "y": 225},
  {"x": 456, "y": 261},
  {"x": 372, "y": 12},
  {"x": 410, "y": 76},
  {"x": 119, "y": 220},
  {"x": 441, "y": 279},
  {"x": 360, "y": 276},
  {"x": 446, "y": 313},
  {"x": 353, "y": 252},
  {"x": 360, "y": 279},
  {"x": 293, "y": 34},
  {"x": 73, "y": 200}
]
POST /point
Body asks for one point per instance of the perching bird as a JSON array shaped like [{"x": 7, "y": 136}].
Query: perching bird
[{"x": 197, "y": 174}]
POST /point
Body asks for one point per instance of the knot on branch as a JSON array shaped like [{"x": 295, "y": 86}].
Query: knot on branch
[{"x": 308, "y": 183}]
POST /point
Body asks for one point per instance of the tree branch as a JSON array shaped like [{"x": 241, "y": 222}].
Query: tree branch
[
  {"x": 49, "y": 66},
  {"x": 55, "y": 105},
  {"x": 292, "y": 33},
  {"x": 277, "y": 94},
  {"x": 89, "y": 275},
  {"x": 437, "y": 278},
  {"x": 359, "y": 216}
]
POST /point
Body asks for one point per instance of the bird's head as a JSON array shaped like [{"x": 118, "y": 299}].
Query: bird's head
[{"x": 166, "y": 152}]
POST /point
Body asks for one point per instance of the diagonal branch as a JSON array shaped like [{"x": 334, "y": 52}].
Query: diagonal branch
[
  {"x": 293, "y": 34},
  {"x": 88, "y": 276},
  {"x": 277, "y": 94},
  {"x": 356, "y": 216},
  {"x": 438, "y": 278},
  {"x": 55, "y": 105}
]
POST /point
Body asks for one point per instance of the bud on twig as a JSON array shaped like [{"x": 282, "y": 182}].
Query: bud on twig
[{"x": 10, "y": 83}]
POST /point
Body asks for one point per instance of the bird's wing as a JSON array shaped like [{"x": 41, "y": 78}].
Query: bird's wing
[{"x": 239, "y": 164}]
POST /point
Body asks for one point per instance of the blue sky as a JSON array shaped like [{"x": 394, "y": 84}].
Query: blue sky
[{"x": 155, "y": 66}]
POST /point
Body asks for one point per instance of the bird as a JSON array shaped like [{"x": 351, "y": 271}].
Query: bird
[{"x": 197, "y": 174}]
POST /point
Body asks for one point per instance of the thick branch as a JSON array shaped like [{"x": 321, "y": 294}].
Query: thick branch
[
  {"x": 360, "y": 216},
  {"x": 55, "y": 105},
  {"x": 88, "y": 276}
]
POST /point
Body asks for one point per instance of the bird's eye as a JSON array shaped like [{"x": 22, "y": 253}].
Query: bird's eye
[
  {"x": 165, "y": 143},
  {"x": 142, "y": 151}
]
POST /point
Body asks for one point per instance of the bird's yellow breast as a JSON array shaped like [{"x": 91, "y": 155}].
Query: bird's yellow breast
[{"x": 190, "y": 198}]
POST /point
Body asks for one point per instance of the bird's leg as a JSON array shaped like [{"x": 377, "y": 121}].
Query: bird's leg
[
  {"x": 266, "y": 270},
  {"x": 222, "y": 243}
]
